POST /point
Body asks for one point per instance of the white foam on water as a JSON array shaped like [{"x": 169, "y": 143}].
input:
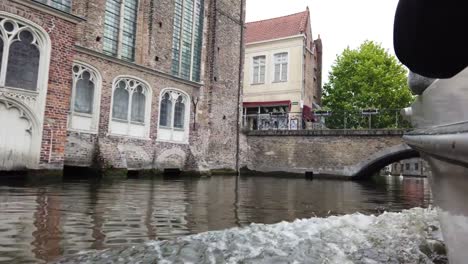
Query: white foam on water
[
  {"x": 356, "y": 238},
  {"x": 412, "y": 236}
]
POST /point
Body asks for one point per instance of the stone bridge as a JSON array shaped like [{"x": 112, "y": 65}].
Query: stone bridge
[{"x": 354, "y": 154}]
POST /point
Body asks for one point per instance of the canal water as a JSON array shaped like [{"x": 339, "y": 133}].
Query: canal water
[{"x": 41, "y": 223}]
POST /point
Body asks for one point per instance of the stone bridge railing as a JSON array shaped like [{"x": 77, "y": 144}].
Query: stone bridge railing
[
  {"x": 328, "y": 132},
  {"x": 331, "y": 153}
]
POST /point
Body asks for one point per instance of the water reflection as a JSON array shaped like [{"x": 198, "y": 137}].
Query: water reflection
[{"x": 42, "y": 223}]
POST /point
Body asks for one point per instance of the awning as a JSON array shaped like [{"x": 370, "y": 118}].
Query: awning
[
  {"x": 307, "y": 114},
  {"x": 267, "y": 104}
]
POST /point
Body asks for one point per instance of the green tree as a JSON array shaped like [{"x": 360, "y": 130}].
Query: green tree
[{"x": 366, "y": 78}]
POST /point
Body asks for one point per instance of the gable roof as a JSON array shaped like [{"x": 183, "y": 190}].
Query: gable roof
[{"x": 275, "y": 28}]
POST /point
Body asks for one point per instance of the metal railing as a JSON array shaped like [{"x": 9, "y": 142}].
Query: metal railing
[
  {"x": 360, "y": 119},
  {"x": 274, "y": 121}
]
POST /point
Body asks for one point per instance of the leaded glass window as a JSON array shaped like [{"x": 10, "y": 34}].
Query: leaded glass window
[
  {"x": 120, "y": 28},
  {"x": 23, "y": 62},
  {"x": 129, "y": 102},
  {"x": 85, "y": 99},
  {"x": 172, "y": 101},
  {"x": 187, "y": 39},
  {"x": 179, "y": 113},
  {"x": 64, "y": 5},
  {"x": 138, "y": 105},
  {"x": 259, "y": 66},
  {"x": 24, "y": 53},
  {"x": 1, "y": 52},
  {"x": 84, "y": 85},
  {"x": 166, "y": 110},
  {"x": 174, "y": 116},
  {"x": 112, "y": 27},
  {"x": 121, "y": 102},
  {"x": 281, "y": 67}
]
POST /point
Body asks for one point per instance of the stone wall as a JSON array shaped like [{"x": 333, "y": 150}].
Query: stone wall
[
  {"x": 341, "y": 153},
  {"x": 223, "y": 104}
]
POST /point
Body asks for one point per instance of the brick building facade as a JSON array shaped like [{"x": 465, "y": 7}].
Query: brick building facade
[{"x": 125, "y": 84}]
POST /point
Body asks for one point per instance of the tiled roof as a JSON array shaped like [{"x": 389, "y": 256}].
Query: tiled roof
[{"x": 275, "y": 28}]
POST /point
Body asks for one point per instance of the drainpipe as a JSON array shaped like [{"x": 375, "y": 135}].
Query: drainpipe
[
  {"x": 239, "y": 91},
  {"x": 51, "y": 142},
  {"x": 304, "y": 61}
]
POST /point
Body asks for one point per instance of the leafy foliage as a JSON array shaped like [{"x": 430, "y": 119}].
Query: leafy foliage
[{"x": 366, "y": 78}]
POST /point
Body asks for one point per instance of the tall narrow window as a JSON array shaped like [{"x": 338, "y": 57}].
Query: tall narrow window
[
  {"x": 1, "y": 53},
  {"x": 259, "y": 66},
  {"x": 20, "y": 55},
  {"x": 138, "y": 105},
  {"x": 131, "y": 105},
  {"x": 84, "y": 91},
  {"x": 281, "y": 67},
  {"x": 121, "y": 102},
  {"x": 23, "y": 62},
  {"x": 120, "y": 28},
  {"x": 165, "y": 111},
  {"x": 64, "y": 5},
  {"x": 187, "y": 39},
  {"x": 86, "y": 94},
  {"x": 179, "y": 113},
  {"x": 174, "y": 127}
]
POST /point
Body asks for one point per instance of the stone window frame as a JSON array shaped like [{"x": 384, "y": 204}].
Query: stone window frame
[
  {"x": 194, "y": 25},
  {"x": 32, "y": 103},
  {"x": 174, "y": 95},
  {"x": 120, "y": 26},
  {"x": 41, "y": 41},
  {"x": 97, "y": 77},
  {"x": 147, "y": 90},
  {"x": 283, "y": 69},
  {"x": 259, "y": 81}
]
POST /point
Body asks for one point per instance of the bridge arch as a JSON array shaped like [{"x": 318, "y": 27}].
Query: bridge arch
[{"x": 377, "y": 161}]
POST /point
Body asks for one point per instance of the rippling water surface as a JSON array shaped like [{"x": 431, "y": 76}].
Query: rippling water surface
[{"x": 43, "y": 223}]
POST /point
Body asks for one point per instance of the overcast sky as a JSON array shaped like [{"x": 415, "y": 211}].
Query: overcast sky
[{"x": 340, "y": 23}]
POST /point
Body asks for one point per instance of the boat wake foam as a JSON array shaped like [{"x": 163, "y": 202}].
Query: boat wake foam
[{"x": 412, "y": 236}]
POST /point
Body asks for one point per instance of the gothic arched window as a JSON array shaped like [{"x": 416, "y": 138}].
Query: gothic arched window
[
  {"x": 165, "y": 111},
  {"x": 173, "y": 116},
  {"x": 86, "y": 91},
  {"x": 138, "y": 105},
  {"x": 179, "y": 113},
  {"x": 131, "y": 105},
  {"x": 21, "y": 48}
]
